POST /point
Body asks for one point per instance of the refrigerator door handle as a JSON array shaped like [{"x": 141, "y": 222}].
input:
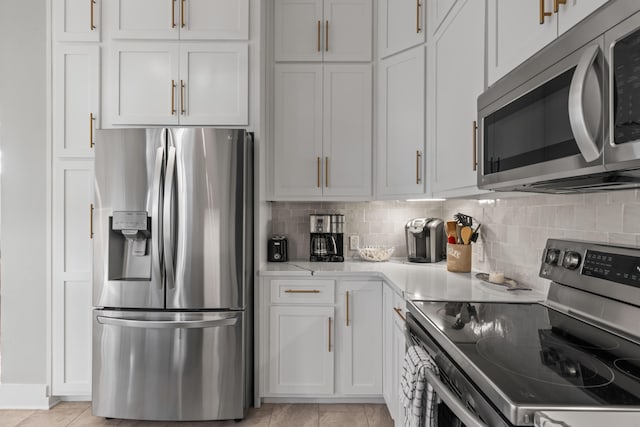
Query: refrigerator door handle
[
  {"x": 156, "y": 222},
  {"x": 167, "y": 324},
  {"x": 167, "y": 218}
]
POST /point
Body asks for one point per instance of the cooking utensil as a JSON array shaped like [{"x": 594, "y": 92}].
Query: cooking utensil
[
  {"x": 464, "y": 220},
  {"x": 458, "y": 236},
  {"x": 466, "y": 233},
  {"x": 475, "y": 235},
  {"x": 451, "y": 229},
  {"x": 510, "y": 284}
]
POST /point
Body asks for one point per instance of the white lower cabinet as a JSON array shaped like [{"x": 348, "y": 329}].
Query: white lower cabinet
[
  {"x": 301, "y": 349},
  {"x": 309, "y": 345},
  {"x": 394, "y": 349},
  {"x": 359, "y": 329}
]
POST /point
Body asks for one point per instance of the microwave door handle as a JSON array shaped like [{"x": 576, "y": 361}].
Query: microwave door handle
[
  {"x": 585, "y": 140},
  {"x": 156, "y": 223},
  {"x": 167, "y": 223},
  {"x": 451, "y": 400}
]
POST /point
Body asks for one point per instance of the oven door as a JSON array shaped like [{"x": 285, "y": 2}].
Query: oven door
[
  {"x": 623, "y": 58},
  {"x": 460, "y": 401},
  {"x": 549, "y": 127}
]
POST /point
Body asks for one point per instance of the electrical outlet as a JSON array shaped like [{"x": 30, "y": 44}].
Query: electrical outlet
[
  {"x": 479, "y": 250},
  {"x": 354, "y": 242}
]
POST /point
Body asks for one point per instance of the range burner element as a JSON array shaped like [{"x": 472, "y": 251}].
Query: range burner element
[{"x": 629, "y": 366}]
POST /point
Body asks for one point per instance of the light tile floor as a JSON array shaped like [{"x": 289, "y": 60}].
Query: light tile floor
[{"x": 78, "y": 414}]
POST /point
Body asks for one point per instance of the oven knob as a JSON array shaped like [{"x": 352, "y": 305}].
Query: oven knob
[
  {"x": 571, "y": 260},
  {"x": 552, "y": 257}
]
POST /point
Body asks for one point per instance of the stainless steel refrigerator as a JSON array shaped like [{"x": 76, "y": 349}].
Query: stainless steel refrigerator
[{"x": 172, "y": 274}]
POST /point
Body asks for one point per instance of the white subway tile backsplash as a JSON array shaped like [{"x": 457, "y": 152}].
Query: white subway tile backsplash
[{"x": 513, "y": 234}]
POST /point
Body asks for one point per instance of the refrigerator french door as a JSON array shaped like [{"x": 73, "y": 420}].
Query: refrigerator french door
[{"x": 172, "y": 274}]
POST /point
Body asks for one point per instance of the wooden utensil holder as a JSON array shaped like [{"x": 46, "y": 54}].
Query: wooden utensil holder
[{"x": 458, "y": 258}]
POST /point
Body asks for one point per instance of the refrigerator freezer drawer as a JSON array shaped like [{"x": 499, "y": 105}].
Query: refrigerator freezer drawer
[{"x": 172, "y": 366}]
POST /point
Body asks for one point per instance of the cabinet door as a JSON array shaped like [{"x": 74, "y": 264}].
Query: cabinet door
[
  {"x": 515, "y": 33},
  {"x": 301, "y": 350},
  {"x": 297, "y": 156},
  {"x": 401, "y": 117},
  {"x": 574, "y": 11},
  {"x": 387, "y": 349},
  {"x": 145, "y": 83},
  {"x": 401, "y": 25},
  {"x": 399, "y": 349},
  {"x": 71, "y": 268},
  {"x": 145, "y": 19},
  {"x": 360, "y": 324},
  {"x": 348, "y": 30},
  {"x": 439, "y": 10},
  {"x": 76, "y": 20},
  {"x": 76, "y": 82},
  {"x": 455, "y": 100},
  {"x": 298, "y": 30},
  {"x": 215, "y": 19},
  {"x": 347, "y": 130},
  {"x": 214, "y": 84}
]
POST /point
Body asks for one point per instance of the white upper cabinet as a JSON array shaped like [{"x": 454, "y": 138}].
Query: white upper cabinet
[
  {"x": 171, "y": 83},
  {"x": 214, "y": 84},
  {"x": 517, "y": 30},
  {"x": 76, "y": 85},
  {"x": 439, "y": 10},
  {"x": 453, "y": 106},
  {"x": 401, "y": 125},
  {"x": 322, "y": 132},
  {"x": 317, "y": 30},
  {"x": 76, "y": 20},
  {"x": 145, "y": 83},
  {"x": 180, "y": 19},
  {"x": 401, "y": 25},
  {"x": 574, "y": 11}
]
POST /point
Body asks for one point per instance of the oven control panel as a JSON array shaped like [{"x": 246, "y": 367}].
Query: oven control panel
[{"x": 613, "y": 267}]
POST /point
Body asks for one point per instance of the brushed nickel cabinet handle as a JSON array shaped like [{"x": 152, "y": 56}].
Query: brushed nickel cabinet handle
[
  {"x": 329, "y": 334},
  {"x": 556, "y": 5},
  {"x": 326, "y": 172},
  {"x": 173, "y": 97},
  {"x": 182, "y": 110},
  {"x": 318, "y": 168},
  {"x": 92, "y": 4},
  {"x": 399, "y": 313},
  {"x": 302, "y": 291},
  {"x": 91, "y": 120},
  {"x": 418, "y": 7},
  {"x": 543, "y": 14},
  {"x": 319, "y": 38},
  {"x": 182, "y": 20},
  {"x": 418, "y": 156},
  {"x": 173, "y": 13},
  {"x": 326, "y": 36},
  {"x": 347, "y": 308},
  {"x": 91, "y": 221},
  {"x": 474, "y": 160}
]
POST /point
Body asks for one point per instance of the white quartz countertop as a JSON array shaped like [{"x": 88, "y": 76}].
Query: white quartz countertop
[
  {"x": 587, "y": 419},
  {"x": 414, "y": 281}
]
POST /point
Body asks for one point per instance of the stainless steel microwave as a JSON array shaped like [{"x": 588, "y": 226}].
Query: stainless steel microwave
[{"x": 568, "y": 119}]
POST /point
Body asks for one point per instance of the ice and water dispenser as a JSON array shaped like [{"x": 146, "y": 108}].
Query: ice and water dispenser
[{"x": 129, "y": 246}]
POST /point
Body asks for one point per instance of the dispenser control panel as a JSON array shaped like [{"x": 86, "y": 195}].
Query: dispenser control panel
[{"x": 129, "y": 220}]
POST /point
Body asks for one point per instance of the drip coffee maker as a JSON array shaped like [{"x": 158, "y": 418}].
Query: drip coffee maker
[{"x": 326, "y": 242}]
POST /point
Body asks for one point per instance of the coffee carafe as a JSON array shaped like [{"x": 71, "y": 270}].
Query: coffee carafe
[{"x": 326, "y": 237}]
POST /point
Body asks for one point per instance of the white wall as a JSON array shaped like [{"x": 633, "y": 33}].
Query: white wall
[{"x": 24, "y": 179}]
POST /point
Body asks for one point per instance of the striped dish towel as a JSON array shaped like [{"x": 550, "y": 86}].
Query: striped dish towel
[{"x": 417, "y": 398}]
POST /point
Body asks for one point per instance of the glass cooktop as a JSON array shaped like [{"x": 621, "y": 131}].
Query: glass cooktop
[{"x": 539, "y": 356}]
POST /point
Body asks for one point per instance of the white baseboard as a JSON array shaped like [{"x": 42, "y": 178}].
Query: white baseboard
[{"x": 26, "y": 396}]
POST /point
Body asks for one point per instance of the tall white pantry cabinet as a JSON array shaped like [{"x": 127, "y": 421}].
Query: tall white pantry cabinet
[{"x": 84, "y": 35}]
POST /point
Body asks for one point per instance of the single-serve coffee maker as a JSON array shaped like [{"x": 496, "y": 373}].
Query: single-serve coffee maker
[
  {"x": 425, "y": 240},
  {"x": 326, "y": 242}
]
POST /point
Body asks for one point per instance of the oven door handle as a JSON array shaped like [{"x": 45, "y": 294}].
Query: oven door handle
[
  {"x": 452, "y": 401},
  {"x": 579, "y": 93}
]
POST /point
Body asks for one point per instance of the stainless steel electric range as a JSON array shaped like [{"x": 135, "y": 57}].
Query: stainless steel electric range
[{"x": 500, "y": 363}]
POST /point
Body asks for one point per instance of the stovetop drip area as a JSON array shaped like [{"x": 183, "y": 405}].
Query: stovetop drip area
[{"x": 539, "y": 356}]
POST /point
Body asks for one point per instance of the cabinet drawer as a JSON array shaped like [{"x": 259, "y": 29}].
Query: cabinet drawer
[
  {"x": 400, "y": 308},
  {"x": 305, "y": 291}
]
